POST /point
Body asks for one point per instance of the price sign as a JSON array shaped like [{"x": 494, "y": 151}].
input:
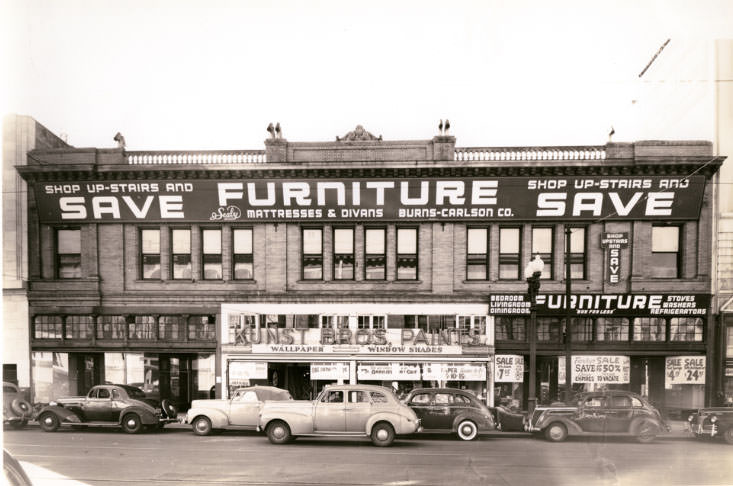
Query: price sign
[
  {"x": 508, "y": 368},
  {"x": 596, "y": 369},
  {"x": 684, "y": 370},
  {"x": 454, "y": 371},
  {"x": 329, "y": 371},
  {"x": 388, "y": 371}
]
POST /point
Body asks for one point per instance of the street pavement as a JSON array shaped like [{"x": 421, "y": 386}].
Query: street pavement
[{"x": 108, "y": 457}]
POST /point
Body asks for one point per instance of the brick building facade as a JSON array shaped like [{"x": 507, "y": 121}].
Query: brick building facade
[{"x": 365, "y": 260}]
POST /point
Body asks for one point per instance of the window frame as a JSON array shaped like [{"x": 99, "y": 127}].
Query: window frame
[
  {"x": 303, "y": 254},
  {"x": 403, "y": 256},
  {"x": 334, "y": 262},
  {"x": 382, "y": 256},
  {"x": 509, "y": 260},
  {"x": 173, "y": 254},
  {"x": 143, "y": 254},
  {"x": 548, "y": 272},
  {"x": 247, "y": 256},
  {"x": 475, "y": 259},
  {"x": 678, "y": 253},
  {"x": 577, "y": 258},
  {"x": 204, "y": 254},
  {"x": 58, "y": 254}
]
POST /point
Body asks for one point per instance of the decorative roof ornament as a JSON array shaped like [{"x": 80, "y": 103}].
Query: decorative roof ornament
[{"x": 358, "y": 135}]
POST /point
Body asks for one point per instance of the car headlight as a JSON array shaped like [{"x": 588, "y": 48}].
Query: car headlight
[
  {"x": 52, "y": 404},
  {"x": 714, "y": 419},
  {"x": 690, "y": 418}
]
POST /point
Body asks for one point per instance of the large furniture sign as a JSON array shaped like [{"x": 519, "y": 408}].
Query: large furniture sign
[
  {"x": 593, "y": 305},
  {"x": 586, "y": 198},
  {"x": 596, "y": 369},
  {"x": 508, "y": 368},
  {"x": 454, "y": 371},
  {"x": 684, "y": 370}
]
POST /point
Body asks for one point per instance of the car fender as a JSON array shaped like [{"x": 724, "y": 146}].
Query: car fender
[
  {"x": 146, "y": 416},
  {"x": 63, "y": 414},
  {"x": 218, "y": 418},
  {"x": 481, "y": 422},
  {"x": 299, "y": 423},
  {"x": 570, "y": 425},
  {"x": 394, "y": 420},
  {"x": 634, "y": 427}
]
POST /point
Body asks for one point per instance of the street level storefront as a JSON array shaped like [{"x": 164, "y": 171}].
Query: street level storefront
[
  {"x": 652, "y": 344},
  {"x": 303, "y": 346}
]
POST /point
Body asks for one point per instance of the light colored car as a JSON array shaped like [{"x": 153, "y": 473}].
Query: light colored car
[
  {"x": 341, "y": 410},
  {"x": 241, "y": 412},
  {"x": 16, "y": 410}
]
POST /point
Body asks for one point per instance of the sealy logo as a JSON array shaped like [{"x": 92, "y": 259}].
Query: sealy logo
[{"x": 229, "y": 213}]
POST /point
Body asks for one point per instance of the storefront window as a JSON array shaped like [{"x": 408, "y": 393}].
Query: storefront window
[
  {"x": 111, "y": 327},
  {"x": 477, "y": 261},
  {"x": 243, "y": 260},
  {"x": 335, "y": 322},
  {"x": 686, "y": 329},
  {"x": 650, "y": 329},
  {"x": 371, "y": 322},
  {"x": 47, "y": 327},
  {"x": 272, "y": 320},
  {"x": 171, "y": 328},
  {"x": 549, "y": 329},
  {"x": 115, "y": 368},
  {"x": 441, "y": 322},
  {"x": 142, "y": 328},
  {"x": 303, "y": 321},
  {"x": 511, "y": 328},
  {"x": 202, "y": 328},
  {"x": 204, "y": 369},
  {"x": 612, "y": 329},
  {"x": 79, "y": 327},
  {"x": 50, "y": 372}
]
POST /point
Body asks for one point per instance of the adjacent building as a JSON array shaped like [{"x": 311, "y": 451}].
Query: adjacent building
[{"x": 365, "y": 260}]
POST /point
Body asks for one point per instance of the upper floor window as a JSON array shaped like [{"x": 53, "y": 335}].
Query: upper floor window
[
  {"x": 150, "y": 253},
  {"x": 371, "y": 322},
  {"x": 665, "y": 252},
  {"x": 612, "y": 329},
  {"x": 582, "y": 328},
  {"x": 243, "y": 261},
  {"x": 477, "y": 251},
  {"x": 68, "y": 253},
  {"x": 406, "y": 253},
  {"x": 181, "y": 253},
  {"x": 650, "y": 329},
  {"x": 542, "y": 246},
  {"x": 509, "y": 254},
  {"x": 343, "y": 254},
  {"x": 202, "y": 328},
  {"x": 111, "y": 327},
  {"x": 212, "y": 254},
  {"x": 375, "y": 262},
  {"x": 550, "y": 329},
  {"x": 171, "y": 328},
  {"x": 79, "y": 327},
  {"x": 577, "y": 253},
  {"x": 47, "y": 327},
  {"x": 686, "y": 329},
  {"x": 312, "y": 254},
  {"x": 510, "y": 328},
  {"x": 142, "y": 328}
]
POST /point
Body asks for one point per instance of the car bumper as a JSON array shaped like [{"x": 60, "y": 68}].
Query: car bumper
[{"x": 702, "y": 430}]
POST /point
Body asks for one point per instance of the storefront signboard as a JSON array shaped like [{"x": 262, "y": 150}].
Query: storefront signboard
[
  {"x": 584, "y": 198},
  {"x": 684, "y": 370},
  {"x": 614, "y": 242},
  {"x": 508, "y": 368},
  {"x": 330, "y": 371},
  {"x": 454, "y": 371},
  {"x": 590, "y": 305},
  {"x": 596, "y": 369},
  {"x": 388, "y": 371},
  {"x": 240, "y": 372}
]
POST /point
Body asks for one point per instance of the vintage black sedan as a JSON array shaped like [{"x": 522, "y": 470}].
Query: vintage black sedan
[
  {"x": 16, "y": 410},
  {"x": 450, "y": 410},
  {"x": 108, "y": 406},
  {"x": 712, "y": 422}
]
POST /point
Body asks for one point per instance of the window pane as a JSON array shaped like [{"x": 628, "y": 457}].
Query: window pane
[
  {"x": 577, "y": 240},
  {"x": 69, "y": 266},
  {"x": 509, "y": 240},
  {"x": 69, "y": 241},
  {"x": 242, "y": 241},
  {"x": 541, "y": 240},
  {"x": 612, "y": 329},
  {"x": 477, "y": 240},
  {"x": 343, "y": 240},
  {"x": 212, "y": 241},
  {"x": 476, "y": 271},
  {"x": 650, "y": 329},
  {"x": 665, "y": 238},
  {"x": 687, "y": 329},
  {"x": 375, "y": 241},
  {"x": 663, "y": 265},
  {"x": 407, "y": 240},
  {"x": 312, "y": 242},
  {"x": 150, "y": 241},
  {"x": 111, "y": 327},
  {"x": 510, "y": 328},
  {"x": 181, "y": 241}
]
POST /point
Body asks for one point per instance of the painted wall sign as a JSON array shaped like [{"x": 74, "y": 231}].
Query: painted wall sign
[
  {"x": 413, "y": 199},
  {"x": 330, "y": 371},
  {"x": 614, "y": 242},
  {"x": 630, "y": 305},
  {"x": 508, "y": 368},
  {"x": 684, "y": 370},
  {"x": 388, "y": 371},
  {"x": 454, "y": 371},
  {"x": 596, "y": 369}
]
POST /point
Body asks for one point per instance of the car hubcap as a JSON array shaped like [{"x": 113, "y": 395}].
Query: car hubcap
[
  {"x": 467, "y": 430},
  {"x": 201, "y": 425},
  {"x": 48, "y": 421},
  {"x": 131, "y": 423},
  {"x": 555, "y": 432},
  {"x": 279, "y": 432},
  {"x": 382, "y": 434}
]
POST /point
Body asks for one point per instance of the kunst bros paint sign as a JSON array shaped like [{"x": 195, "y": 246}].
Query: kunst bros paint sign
[{"x": 344, "y": 199}]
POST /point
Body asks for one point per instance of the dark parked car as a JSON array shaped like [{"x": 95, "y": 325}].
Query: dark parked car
[
  {"x": 712, "y": 422},
  {"x": 610, "y": 412},
  {"x": 508, "y": 420},
  {"x": 450, "y": 410},
  {"x": 16, "y": 410},
  {"x": 108, "y": 406}
]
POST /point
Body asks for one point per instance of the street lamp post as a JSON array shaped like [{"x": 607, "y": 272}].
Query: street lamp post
[
  {"x": 568, "y": 323},
  {"x": 532, "y": 273}
]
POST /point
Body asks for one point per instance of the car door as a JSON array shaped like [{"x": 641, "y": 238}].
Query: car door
[
  {"x": 98, "y": 405},
  {"x": 330, "y": 414},
  {"x": 358, "y": 410},
  {"x": 619, "y": 413},
  {"x": 421, "y": 403},
  {"x": 244, "y": 409},
  {"x": 592, "y": 414},
  {"x": 442, "y": 410}
]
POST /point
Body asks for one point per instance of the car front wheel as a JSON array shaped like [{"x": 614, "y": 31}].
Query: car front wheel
[
  {"x": 131, "y": 423},
  {"x": 646, "y": 432},
  {"x": 278, "y": 432},
  {"x": 49, "y": 422},
  {"x": 382, "y": 434},
  {"x": 728, "y": 435},
  {"x": 467, "y": 430},
  {"x": 202, "y": 426},
  {"x": 556, "y": 432}
]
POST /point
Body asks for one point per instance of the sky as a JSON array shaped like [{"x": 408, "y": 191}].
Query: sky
[{"x": 195, "y": 75}]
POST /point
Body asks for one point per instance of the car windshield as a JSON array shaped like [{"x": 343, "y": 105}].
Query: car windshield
[{"x": 133, "y": 392}]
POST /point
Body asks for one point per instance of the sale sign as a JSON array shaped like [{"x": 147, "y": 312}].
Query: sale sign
[
  {"x": 330, "y": 371},
  {"x": 596, "y": 369},
  {"x": 684, "y": 370},
  {"x": 508, "y": 368}
]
